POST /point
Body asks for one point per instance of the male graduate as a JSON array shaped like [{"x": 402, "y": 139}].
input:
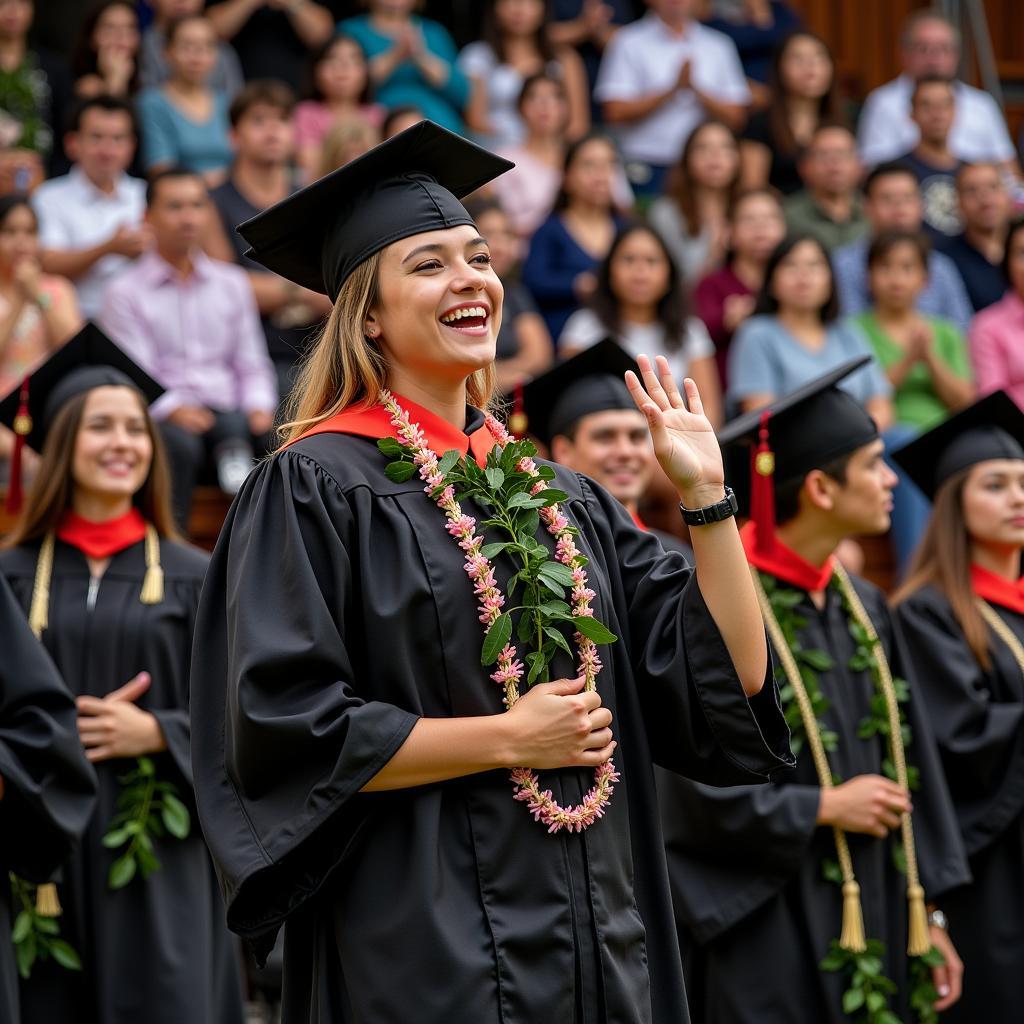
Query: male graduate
[{"x": 814, "y": 900}]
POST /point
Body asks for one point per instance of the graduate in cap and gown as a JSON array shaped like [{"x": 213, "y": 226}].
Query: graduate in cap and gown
[
  {"x": 828, "y": 916},
  {"x": 95, "y": 565},
  {"x": 442, "y": 841},
  {"x": 962, "y": 613}
]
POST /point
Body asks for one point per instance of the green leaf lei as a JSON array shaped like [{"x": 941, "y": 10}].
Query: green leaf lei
[{"x": 36, "y": 936}]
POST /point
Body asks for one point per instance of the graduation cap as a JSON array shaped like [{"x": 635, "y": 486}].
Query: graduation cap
[
  {"x": 89, "y": 360},
  {"x": 991, "y": 428},
  {"x": 801, "y": 431},
  {"x": 407, "y": 185},
  {"x": 589, "y": 382}
]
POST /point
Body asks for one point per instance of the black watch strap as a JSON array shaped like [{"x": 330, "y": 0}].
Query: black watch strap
[{"x": 724, "y": 509}]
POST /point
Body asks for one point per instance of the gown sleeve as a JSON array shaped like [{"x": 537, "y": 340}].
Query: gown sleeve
[
  {"x": 49, "y": 788},
  {"x": 283, "y": 735}
]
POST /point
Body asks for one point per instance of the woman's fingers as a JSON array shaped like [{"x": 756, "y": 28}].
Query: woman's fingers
[
  {"x": 693, "y": 402},
  {"x": 598, "y": 739},
  {"x": 593, "y": 758},
  {"x": 652, "y": 384},
  {"x": 99, "y": 754},
  {"x": 668, "y": 383}
]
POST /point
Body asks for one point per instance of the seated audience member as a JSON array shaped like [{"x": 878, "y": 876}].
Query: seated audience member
[
  {"x": 725, "y": 298},
  {"x": 106, "y": 59},
  {"x": 640, "y": 302},
  {"x": 803, "y": 95},
  {"x": 568, "y": 246},
  {"x": 338, "y": 87},
  {"x": 350, "y": 136},
  {"x": 996, "y": 332},
  {"x": 796, "y": 336},
  {"x": 262, "y": 137},
  {"x": 397, "y": 119},
  {"x": 272, "y": 38},
  {"x": 184, "y": 122},
  {"x": 829, "y": 206},
  {"x": 985, "y": 211},
  {"x": 932, "y": 106},
  {"x": 588, "y": 26},
  {"x": 660, "y": 77},
  {"x": 524, "y": 347},
  {"x": 693, "y": 214},
  {"x": 192, "y": 323},
  {"x": 925, "y": 359},
  {"x": 892, "y": 201},
  {"x": 226, "y": 76},
  {"x": 930, "y": 45},
  {"x": 90, "y": 219},
  {"x": 516, "y": 44},
  {"x": 412, "y": 61}
]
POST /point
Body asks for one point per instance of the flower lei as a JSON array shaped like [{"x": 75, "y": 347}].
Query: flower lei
[{"x": 498, "y": 625}]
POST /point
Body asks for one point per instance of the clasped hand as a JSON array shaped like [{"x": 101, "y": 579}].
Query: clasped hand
[{"x": 112, "y": 726}]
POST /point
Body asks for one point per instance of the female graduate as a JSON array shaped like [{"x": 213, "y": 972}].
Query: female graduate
[
  {"x": 95, "y": 565},
  {"x": 962, "y": 611},
  {"x": 354, "y": 729}
]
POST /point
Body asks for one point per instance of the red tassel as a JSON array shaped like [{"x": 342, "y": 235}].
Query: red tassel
[
  {"x": 22, "y": 428},
  {"x": 762, "y": 489},
  {"x": 517, "y": 422}
]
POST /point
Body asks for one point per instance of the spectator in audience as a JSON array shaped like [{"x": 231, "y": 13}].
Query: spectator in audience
[
  {"x": 226, "y": 76},
  {"x": 803, "y": 95},
  {"x": 985, "y": 211},
  {"x": 559, "y": 267},
  {"x": 996, "y": 332},
  {"x": 515, "y": 45},
  {"x": 398, "y": 119},
  {"x": 192, "y": 323},
  {"x": 524, "y": 347},
  {"x": 185, "y": 121},
  {"x": 640, "y": 300},
  {"x": 796, "y": 336},
  {"x": 725, "y": 298},
  {"x": 106, "y": 58},
  {"x": 350, "y": 136},
  {"x": 35, "y": 91},
  {"x": 90, "y": 219},
  {"x": 588, "y": 26},
  {"x": 660, "y": 77},
  {"x": 338, "y": 87},
  {"x": 273, "y": 38},
  {"x": 925, "y": 359},
  {"x": 930, "y": 45},
  {"x": 693, "y": 214},
  {"x": 412, "y": 61},
  {"x": 892, "y": 200},
  {"x": 829, "y": 206}
]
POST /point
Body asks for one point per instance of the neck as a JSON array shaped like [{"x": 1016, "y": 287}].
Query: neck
[
  {"x": 1002, "y": 561},
  {"x": 711, "y": 202},
  {"x": 548, "y": 147},
  {"x": 180, "y": 259},
  {"x": 583, "y": 210},
  {"x": 392, "y": 20},
  {"x": 675, "y": 24},
  {"x": 12, "y": 51},
  {"x": 894, "y": 315},
  {"x": 261, "y": 178},
  {"x": 100, "y": 508},
  {"x": 749, "y": 271},
  {"x": 190, "y": 90},
  {"x": 802, "y": 106},
  {"x": 814, "y": 542},
  {"x": 986, "y": 240},
  {"x": 638, "y": 313},
  {"x": 935, "y": 152},
  {"x": 800, "y": 320},
  {"x": 838, "y": 205},
  {"x": 442, "y": 398},
  {"x": 106, "y": 184}
]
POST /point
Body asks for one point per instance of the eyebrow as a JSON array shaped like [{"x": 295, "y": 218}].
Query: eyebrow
[{"x": 436, "y": 247}]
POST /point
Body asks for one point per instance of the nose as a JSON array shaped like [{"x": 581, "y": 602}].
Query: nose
[
  {"x": 891, "y": 477},
  {"x": 469, "y": 277}
]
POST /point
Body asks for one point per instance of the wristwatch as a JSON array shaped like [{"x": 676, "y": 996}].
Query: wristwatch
[
  {"x": 938, "y": 918},
  {"x": 721, "y": 510}
]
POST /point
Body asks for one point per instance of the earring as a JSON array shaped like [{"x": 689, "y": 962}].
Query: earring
[{"x": 372, "y": 332}]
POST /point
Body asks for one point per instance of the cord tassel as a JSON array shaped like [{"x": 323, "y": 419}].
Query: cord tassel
[
  {"x": 153, "y": 582},
  {"x": 919, "y": 940},
  {"x": 39, "y": 610},
  {"x": 47, "y": 901},
  {"x": 852, "y": 936}
]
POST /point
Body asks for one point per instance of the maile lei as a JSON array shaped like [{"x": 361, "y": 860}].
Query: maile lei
[
  {"x": 516, "y": 494},
  {"x": 867, "y": 999}
]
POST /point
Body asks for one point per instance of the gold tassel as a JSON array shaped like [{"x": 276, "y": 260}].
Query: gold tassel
[
  {"x": 852, "y": 936},
  {"x": 153, "y": 583},
  {"x": 39, "y": 610},
  {"x": 47, "y": 901},
  {"x": 919, "y": 940}
]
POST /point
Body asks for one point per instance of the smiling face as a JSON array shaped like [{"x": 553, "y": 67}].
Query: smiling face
[
  {"x": 806, "y": 68},
  {"x": 117, "y": 29},
  {"x": 19, "y": 237},
  {"x": 993, "y": 504},
  {"x": 713, "y": 157},
  {"x": 639, "y": 270},
  {"x": 803, "y": 279}
]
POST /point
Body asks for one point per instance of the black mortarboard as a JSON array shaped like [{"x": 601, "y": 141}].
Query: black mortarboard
[
  {"x": 407, "y": 185},
  {"x": 589, "y": 382},
  {"x": 991, "y": 428}
]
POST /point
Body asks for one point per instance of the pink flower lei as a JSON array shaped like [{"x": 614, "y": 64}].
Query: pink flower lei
[{"x": 509, "y": 671}]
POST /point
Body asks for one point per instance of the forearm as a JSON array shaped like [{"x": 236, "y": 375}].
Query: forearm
[
  {"x": 897, "y": 372},
  {"x": 228, "y": 18},
  {"x": 434, "y": 70},
  {"x": 954, "y": 392},
  {"x": 73, "y": 263},
  {"x": 732, "y": 114},
  {"x": 312, "y": 23},
  {"x": 618, "y": 111},
  {"x": 62, "y": 319},
  {"x": 383, "y": 66}
]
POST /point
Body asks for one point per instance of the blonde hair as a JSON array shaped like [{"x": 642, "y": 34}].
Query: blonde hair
[
  {"x": 349, "y": 137},
  {"x": 345, "y": 367}
]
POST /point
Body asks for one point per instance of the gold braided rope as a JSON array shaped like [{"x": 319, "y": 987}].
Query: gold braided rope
[
  {"x": 153, "y": 581},
  {"x": 1003, "y": 632},
  {"x": 39, "y": 610}
]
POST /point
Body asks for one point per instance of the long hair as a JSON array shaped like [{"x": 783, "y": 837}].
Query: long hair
[
  {"x": 680, "y": 185},
  {"x": 671, "y": 309},
  {"x": 495, "y": 39},
  {"x": 50, "y": 495},
  {"x": 943, "y": 560},
  {"x": 767, "y": 304},
  {"x": 311, "y": 90},
  {"x": 572, "y": 152},
  {"x": 85, "y": 60},
  {"x": 346, "y": 367}
]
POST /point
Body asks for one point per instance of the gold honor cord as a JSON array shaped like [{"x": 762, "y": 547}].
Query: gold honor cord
[{"x": 1003, "y": 632}]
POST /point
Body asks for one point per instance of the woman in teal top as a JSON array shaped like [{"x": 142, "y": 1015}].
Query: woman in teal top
[{"x": 412, "y": 61}]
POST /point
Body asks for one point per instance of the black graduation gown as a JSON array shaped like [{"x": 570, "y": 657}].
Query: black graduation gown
[
  {"x": 755, "y": 913},
  {"x": 156, "y": 951},
  {"x": 348, "y": 615},
  {"x": 49, "y": 786},
  {"x": 978, "y": 721}
]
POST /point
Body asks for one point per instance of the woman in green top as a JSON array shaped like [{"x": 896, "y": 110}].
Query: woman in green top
[{"x": 924, "y": 357}]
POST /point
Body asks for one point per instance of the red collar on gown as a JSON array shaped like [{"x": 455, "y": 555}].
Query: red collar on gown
[
  {"x": 784, "y": 563},
  {"x": 101, "y": 540},
  {"x": 990, "y": 587},
  {"x": 639, "y": 522},
  {"x": 375, "y": 421}
]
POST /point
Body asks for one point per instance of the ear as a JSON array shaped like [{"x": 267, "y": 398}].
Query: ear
[
  {"x": 561, "y": 449},
  {"x": 819, "y": 490},
  {"x": 71, "y": 146},
  {"x": 371, "y": 325}
]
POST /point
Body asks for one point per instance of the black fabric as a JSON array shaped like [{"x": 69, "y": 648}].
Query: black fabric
[
  {"x": 754, "y": 910},
  {"x": 336, "y": 612},
  {"x": 783, "y": 174},
  {"x": 937, "y": 186},
  {"x": 516, "y": 302},
  {"x": 985, "y": 282},
  {"x": 157, "y": 950},
  {"x": 978, "y": 720},
  {"x": 49, "y": 789}
]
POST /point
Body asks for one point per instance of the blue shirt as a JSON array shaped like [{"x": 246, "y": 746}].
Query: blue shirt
[
  {"x": 169, "y": 137},
  {"x": 985, "y": 281}
]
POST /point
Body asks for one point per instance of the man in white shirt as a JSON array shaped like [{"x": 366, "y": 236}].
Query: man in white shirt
[
  {"x": 660, "y": 77},
  {"x": 90, "y": 219},
  {"x": 931, "y": 47}
]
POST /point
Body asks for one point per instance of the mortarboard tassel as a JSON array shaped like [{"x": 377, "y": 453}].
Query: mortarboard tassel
[
  {"x": 153, "y": 582},
  {"x": 22, "y": 428},
  {"x": 919, "y": 939},
  {"x": 517, "y": 422},
  {"x": 762, "y": 489},
  {"x": 852, "y": 936},
  {"x": 47, "y": 901}
]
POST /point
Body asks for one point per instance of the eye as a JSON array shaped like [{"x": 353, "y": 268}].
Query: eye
[
  {"x": 429, "y": 265},
  {"x": 482, "y": 258}
]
